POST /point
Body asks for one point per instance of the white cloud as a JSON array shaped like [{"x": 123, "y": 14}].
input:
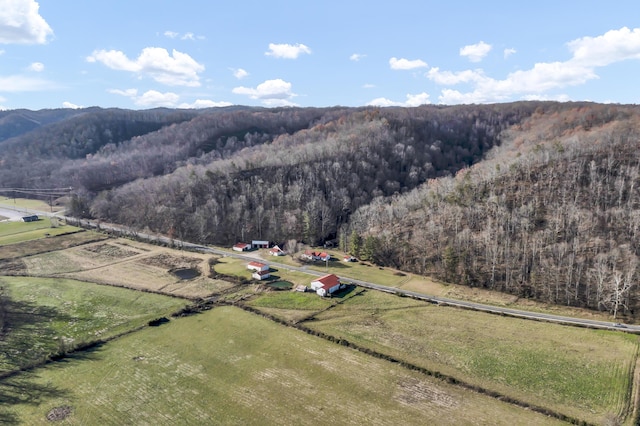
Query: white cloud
[
  {"x": 270, "y": 89},
  {"x": 475, "y": 52},
  {"x": 36, "y": 66},
  {"x": 185, "y": 36},
  {"x": 287, "y": 51},
  {"x": 204, "y": 103},
  {"x": 150, "y": 98},
  {"x": 20, "y": 83},
  {"x": 130, "y": 93},
  {"x": 508, "y": 52},
  {"x": 357, "y": 56},
  {"x": 448, "y": 78},
  {"x": 368, "y": 86},
  {"x": 1, "y": 51},
  {"x": 588, "y": 53},
  {"x": 412, "y": 101},
  {"x": 20, "y": 23},
  {"x": 406, "y": 64},
  {"x": 71, "y": 105},
  {"x": 178, "y": 69},
  {"x": 612, "y": 46},
  {"x": 239, "y": 73},
  {"x": 153, "y": 98}
]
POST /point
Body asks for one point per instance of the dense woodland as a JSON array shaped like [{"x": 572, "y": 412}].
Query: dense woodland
[{"x": 537, "y": 199}]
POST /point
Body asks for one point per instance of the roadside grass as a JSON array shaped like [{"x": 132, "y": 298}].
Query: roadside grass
[
  {"x": 46, "y": 316},
  {"x": 227, "y": 366},
  {"x": 14, "y": 228},
  {"x": 25, "y": 203},
  {"x": 579, "y": 372}
]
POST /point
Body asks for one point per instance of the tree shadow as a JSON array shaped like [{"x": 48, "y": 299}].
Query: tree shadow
[
  {"x": 26, "y": 335},
  {"x": 28, "y": 341},
  {"x": 22, "y": 389}
]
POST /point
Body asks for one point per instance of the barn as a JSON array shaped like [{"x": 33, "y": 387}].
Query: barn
[{"x": 326, "y": 285}]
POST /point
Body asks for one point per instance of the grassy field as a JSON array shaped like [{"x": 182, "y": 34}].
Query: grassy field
[
  {"x": 25, "y": 203},
  {"x": 43, "y": 316},
  {"x": 43, "y": 245},
  {"x": 17, "y": 232},
  {"x": 579, "y": 372},
  {"x": 227, "y": 366}
]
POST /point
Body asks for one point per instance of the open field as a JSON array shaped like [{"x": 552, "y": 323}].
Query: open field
[
  {"x": 227, "y": 366},
  {"x": 43, "y": 245},
  {"x": 17, "y": 232},
  {"x": 123, "y": 263},
  {"x": 579, "y": 372},
  {"x": 42, "y": 316}
]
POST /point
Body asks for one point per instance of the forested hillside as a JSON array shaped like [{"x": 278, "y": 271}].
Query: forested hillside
[
  {"x": 554, "y": 214},
  {"x": 538, "y": 199}
]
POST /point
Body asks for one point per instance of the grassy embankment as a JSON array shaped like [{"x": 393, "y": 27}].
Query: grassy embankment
[{"x": 227, "y": 366}]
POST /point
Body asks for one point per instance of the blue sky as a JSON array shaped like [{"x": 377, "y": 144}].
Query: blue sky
[{"x": 142, "y": 54}]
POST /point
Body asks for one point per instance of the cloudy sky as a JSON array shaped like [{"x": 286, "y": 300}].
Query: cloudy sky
[{"x": 191, "y": 53}]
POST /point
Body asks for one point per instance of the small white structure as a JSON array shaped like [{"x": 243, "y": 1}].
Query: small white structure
[
  {"x": 325, "y": 285},
  {"x": 241, "y": 247},
  {"x": 349, "y": 258},
  {"x": 276, "y": 251},
  {"x": 261, "y": 275},
  {"x": 260, "y": 270},
  {"x": 257, "y": 266}
]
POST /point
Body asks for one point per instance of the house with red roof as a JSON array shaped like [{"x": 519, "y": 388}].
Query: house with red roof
[
  {"x": 241, "y": 247},
  {"x": 326, "y": 285},
  {"x": 316, "y": 255},
  {"x": 257, "y": 266},
  {"x": 260, "y": 270},
  {"x": 276, "y": 251}
]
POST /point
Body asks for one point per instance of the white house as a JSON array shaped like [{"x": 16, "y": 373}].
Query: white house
[
  {"x": 260, "y": 275},
  {"x": 316, "y": 255},
  {"x": 260, "y": 270},
  {"x": 276, "y": 251},
  {"x": 325, "y": 285},
  {"x": 257, "y": 266},
  {"x": 241, "y": 247}
]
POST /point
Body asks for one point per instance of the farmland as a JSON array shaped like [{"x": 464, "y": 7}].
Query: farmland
[
  {"x": 235, "y": 367},
  {"x": 230, "y": 367}
]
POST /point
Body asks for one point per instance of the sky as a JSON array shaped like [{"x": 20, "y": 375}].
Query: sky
[{"x": 141, "y": 54}]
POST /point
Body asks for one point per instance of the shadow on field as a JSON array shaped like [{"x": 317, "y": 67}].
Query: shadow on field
[
  {"x": 26, "y": 336},
  {"x": 22, "y": 390}
]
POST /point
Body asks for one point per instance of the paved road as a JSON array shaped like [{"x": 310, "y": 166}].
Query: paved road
[{"x": 432, "y": 299}]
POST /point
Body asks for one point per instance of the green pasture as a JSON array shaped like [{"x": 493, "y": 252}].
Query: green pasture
[
  {"x": 579, "y": 372},
  {"x": 229, "y": 367},
  {"x": 42, "y": 316},
  {"x": 16, "y": 232}
]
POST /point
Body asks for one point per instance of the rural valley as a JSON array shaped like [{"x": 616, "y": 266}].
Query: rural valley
[{"x": 148, "y": 288}]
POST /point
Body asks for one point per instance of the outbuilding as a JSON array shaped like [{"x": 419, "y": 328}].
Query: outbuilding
[{"x": 326, "y": 285}]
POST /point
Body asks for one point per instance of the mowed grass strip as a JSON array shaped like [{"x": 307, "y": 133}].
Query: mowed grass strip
[
  {"x": 227, "y": 366},
  {"x": 579, "y": 372},
  {"x": 44, "y": 316}
]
